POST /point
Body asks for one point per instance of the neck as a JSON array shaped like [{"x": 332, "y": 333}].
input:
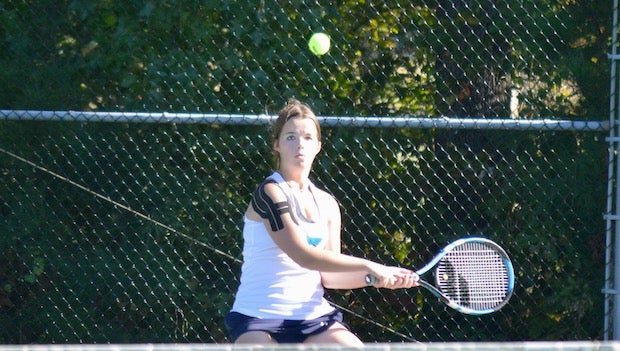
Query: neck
[{"x": 295, "y": 179}]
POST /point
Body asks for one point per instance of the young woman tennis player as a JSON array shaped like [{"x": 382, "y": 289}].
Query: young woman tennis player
[{"x": 292, "y": 249}]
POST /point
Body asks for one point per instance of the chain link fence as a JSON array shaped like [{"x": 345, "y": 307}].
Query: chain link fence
[{"x": 125, "y": 226}]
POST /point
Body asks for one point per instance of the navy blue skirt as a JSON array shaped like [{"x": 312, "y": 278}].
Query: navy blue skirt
[{"x": 282, "y": 330}]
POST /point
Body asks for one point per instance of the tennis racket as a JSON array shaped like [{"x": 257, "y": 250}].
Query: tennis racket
[{"x": 472, "y": 275}]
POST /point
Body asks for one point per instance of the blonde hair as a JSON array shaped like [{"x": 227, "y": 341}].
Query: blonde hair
[{"x": 293, "y": 109}]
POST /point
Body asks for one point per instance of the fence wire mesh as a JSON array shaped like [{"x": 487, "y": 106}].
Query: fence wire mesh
[
  {"x": 130, "y": 231},
  {"x": 464, "y": 58},
  {"x": 116, "y": 232}
]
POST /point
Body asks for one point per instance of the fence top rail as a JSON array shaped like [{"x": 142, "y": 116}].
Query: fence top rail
[{"x": 332, "y": 121}]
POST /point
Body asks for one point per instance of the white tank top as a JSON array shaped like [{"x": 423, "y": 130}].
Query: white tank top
[{"x": 272, "y": 284}]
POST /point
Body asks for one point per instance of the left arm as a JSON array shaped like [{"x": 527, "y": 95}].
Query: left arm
[
  {"x": 353, "y": 279},
  {"x": 338, "y": 280}
]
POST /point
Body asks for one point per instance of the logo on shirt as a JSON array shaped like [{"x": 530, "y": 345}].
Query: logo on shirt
[{"x": 313, "y": 241}]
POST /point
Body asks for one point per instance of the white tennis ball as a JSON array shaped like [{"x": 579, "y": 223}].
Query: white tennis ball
[{"x": 319, "y": 43}]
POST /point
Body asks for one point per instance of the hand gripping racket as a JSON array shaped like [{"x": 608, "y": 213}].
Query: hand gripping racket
[{"x": 472, "y": 275}]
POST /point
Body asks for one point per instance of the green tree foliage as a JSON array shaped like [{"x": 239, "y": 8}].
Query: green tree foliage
[{"x": 399, "y": 58}]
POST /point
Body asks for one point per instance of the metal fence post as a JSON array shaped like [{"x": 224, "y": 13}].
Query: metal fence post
[{"x": 612, "y": 313}]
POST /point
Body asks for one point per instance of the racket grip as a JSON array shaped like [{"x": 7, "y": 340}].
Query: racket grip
[{"x": 372, "y": 280}]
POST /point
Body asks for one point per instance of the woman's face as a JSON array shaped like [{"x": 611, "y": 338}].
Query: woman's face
[{"x": 298, "y": 143}]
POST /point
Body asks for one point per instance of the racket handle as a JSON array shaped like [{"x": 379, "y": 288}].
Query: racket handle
[{"x": 372, "y": 280}]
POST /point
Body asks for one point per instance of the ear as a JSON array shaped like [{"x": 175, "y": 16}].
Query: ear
[{"x": 276, "y": 145}]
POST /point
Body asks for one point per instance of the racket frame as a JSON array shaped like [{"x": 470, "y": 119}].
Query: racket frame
[{"x": 441, "y": 254}]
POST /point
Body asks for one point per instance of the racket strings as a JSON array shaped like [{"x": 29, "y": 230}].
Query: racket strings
[{"x": 474, "y": 275}]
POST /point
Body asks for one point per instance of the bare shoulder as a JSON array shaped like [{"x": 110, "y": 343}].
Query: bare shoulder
[
  {"x": 328, "y": 200},
  {"x": 271, "y": 189}
]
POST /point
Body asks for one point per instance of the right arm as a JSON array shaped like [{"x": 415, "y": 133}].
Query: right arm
[{"x": 290, "y": 239}]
